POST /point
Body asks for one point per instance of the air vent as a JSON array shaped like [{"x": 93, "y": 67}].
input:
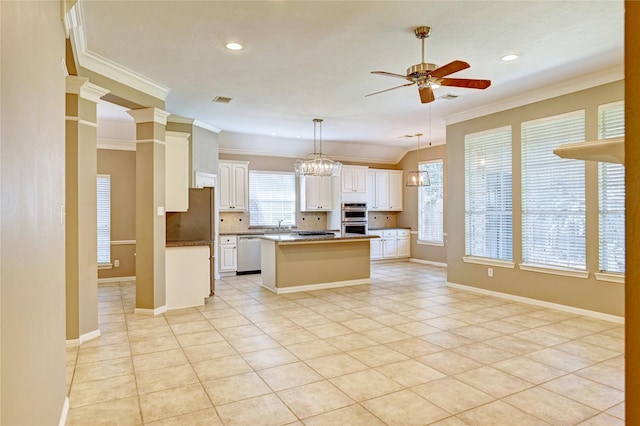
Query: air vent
[
  {"x": 221, "y": 100},
  {"x": 448, "y": 97}
]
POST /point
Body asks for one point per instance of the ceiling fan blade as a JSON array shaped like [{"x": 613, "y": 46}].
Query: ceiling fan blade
[
  {"x": 449, "y": 68},
  {"x": 393, "y": 88},
  {"x": 389, "y": 74},
  {"x": 426, "y": 95},
  {"x": 465, "y": 82}
]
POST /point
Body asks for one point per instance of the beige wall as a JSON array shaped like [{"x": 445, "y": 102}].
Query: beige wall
[
  {"x": 588, "y": 293},
  {"x": 32, "y": 261},
  {"x": 409, "y": 216},
  {"x": 121, "y": 166}
]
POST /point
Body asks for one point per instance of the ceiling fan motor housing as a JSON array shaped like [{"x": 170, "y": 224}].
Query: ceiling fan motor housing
[{"x": 420, "y": 70}]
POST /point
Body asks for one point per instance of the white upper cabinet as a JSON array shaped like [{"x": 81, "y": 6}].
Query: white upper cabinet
[
  {"x": 233, "y": 179},
  {"x": 354, "y": 179},
  {"x": 384, "y": 190},
  {"x": 176, "y": 171},
  {"x": 316, "y": 193}
]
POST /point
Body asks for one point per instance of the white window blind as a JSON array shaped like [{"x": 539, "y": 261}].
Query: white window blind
[
  {"x": 553, "y": 193},
  {"x": 272, "y": 198},
  {"x": 103, "y": 187},
  {"x": 611, "y": 189},
  {"x": 431, "y": 204},
  {"x": 488, "y": 194}
]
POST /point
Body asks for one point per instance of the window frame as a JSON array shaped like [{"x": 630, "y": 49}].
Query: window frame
[
  {"x": 423, "y": 166},
  {"x": 291, "y": 220},
  {"x": 103, "y": 208}
]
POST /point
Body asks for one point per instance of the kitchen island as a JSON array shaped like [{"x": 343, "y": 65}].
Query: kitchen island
[{"x": 293, "y": 262}]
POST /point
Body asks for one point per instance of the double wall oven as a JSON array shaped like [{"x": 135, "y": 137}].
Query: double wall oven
[{"x": 354, "y": 218}]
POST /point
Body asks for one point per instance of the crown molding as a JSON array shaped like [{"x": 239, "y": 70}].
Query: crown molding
[
  {"x": 117, "y": 145},
  {"x": 206, "y": 126},
  {"x": 563, "y": 88},
  {"x": 230, "y": 151},
  {"x": 74, "y": 24},
  {"x": 183, "y": 120},
  {"x": 148, "y": 115}
]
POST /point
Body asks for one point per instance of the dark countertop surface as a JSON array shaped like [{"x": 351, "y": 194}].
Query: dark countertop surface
[
  {"x": 293, "y": 238},
  {"x": 393, "y": 227},
  {"x": 275, "y": 231},
  {"x": 188, "y": 243}
]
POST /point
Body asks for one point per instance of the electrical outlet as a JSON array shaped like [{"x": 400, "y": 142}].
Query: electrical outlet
[
  {"x": 116, "y": 263},
  {"x": 490, "y": 272}
]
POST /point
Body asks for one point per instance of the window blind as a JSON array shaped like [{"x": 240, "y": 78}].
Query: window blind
[
  {"x": 103, "y": 192},
  {"x": 611, "y": 191},
  {"x": 272, "y": 197},
  {"x": 488, "y": 194},
  {"x": 553, "y": 193},
  {"x": 431, "y": 204}
]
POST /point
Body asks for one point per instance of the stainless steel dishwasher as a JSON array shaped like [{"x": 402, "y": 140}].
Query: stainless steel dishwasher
[{"x": 249, "y": 254}]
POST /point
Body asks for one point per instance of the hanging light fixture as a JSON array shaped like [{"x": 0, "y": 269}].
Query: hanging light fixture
[
  {"x": 420, "y": 177},
  {"x": 316, "y": 163}
]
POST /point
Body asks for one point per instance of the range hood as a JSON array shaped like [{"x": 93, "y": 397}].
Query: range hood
[{"x": 605, "y": 150}]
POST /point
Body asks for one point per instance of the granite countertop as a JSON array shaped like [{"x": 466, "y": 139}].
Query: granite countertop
[
  {"x": 188, "y": 243},
  {"x": 292, "y": 238},
  {"x": 274, "y": 231}
]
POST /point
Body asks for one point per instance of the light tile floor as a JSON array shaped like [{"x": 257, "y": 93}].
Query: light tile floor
[{"x": 405, "y": 350}]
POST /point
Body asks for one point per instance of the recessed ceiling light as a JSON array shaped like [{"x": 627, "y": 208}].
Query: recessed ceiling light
[
  {"x": 233, "y": 46},
  {"x": 509, "y": 57}
]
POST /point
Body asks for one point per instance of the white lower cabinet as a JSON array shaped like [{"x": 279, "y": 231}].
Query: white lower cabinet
[
  {"x": 228, "y": 253},
  {"x": 392, "y": 244}
]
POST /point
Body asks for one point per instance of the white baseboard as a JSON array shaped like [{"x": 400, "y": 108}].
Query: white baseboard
[
  {"x": 115, "y": 279},
  {"x": 323, "y": 286},
  {"x": 90, "y": 335},
  {"x": 65, "y": 412},
  {"x": 544, "y": 304},
  {"x": 427, "y": 262},
  {"x": 150, "y": 312},
  {"x": 72, "y": 343}
]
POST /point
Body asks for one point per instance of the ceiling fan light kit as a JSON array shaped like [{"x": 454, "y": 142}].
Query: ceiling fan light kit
[
  {"x": 428, "y": 76},
  {"x": 316, "y": 163}
]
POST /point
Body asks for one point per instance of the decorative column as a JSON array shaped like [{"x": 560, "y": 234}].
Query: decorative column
[
  {"x": 81, "y": 259},
  {"x": 150, "y": 210}
]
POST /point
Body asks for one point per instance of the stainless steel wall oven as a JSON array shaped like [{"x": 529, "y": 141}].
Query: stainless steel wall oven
[{"x": 354, "y": 218}]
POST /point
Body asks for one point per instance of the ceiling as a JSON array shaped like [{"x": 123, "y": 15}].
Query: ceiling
[{"x": 308, "y": 59}]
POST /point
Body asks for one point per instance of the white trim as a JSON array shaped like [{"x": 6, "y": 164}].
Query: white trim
[
  {"x": 73, "y": 343},
  {"x": 554, "y": 271},
  {"x": 105, "y": 266},
  {"x": 610, "y": 277},
  {"x": 80, "y": 121},
  {"x": 65, "y": 412},
  {"x": 289, "y": 155},
  {"x": 149, "y": 115},
  {"x": 180, "y": 135},
  {"x": 427, "y": 262},
  {"x": 115, "y": 279},
  {"x": 73, "y": 84},
  {"x": 116, "y": 145},
  {"x": 206, "y": 126},
  {"x": 90, "y": 335},
  {"x": 489, "y": 262},
  {"x": 598, "y": 78},
  {"x": 428, "y": 243},
  {"x": 151, "y": 312},
  {"x": 536, "y": 302},
  {"x": 322, "y": 286},
  {"x": 197, "y": 123},
  {"x": 74, "y": 20},
  {"x": 92, "y": 92},
  {"x": 123, "y": 242},
  {"x": 151, "y": 141}
]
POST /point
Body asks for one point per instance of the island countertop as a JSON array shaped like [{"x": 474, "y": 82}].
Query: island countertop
[{"x": 297, "y": 238}]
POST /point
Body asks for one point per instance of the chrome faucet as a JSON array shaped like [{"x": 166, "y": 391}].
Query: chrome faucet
[{"x": 280, "y": 223}]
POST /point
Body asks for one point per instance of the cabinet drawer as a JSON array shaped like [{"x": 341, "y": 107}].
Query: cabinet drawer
[
  {"x": 403, "y": 232},
  {"x": 390, "y": 233},
  {"x": 228, "y": 239}
]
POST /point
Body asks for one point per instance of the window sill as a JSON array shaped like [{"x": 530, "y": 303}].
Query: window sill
[
  {"x": 489, "y": 262},
  {"x": 554, "y": 271},
  {"x": 429, "y": 243},
  {"x": 105, "y": 266},
  {"x": 610, "y": 277}
]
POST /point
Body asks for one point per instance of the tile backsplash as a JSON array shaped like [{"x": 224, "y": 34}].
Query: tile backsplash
[
  {"x": 239, "y": 222},
  {"x": 382, "y": 220}
]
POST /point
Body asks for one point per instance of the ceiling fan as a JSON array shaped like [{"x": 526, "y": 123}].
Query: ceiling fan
[{"x": 429, "y": 76}]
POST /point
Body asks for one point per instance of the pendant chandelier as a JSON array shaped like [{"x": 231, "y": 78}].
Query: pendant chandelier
[
  {"x": 316, "y": 163},
  {"x": 419, "y": 177}
]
